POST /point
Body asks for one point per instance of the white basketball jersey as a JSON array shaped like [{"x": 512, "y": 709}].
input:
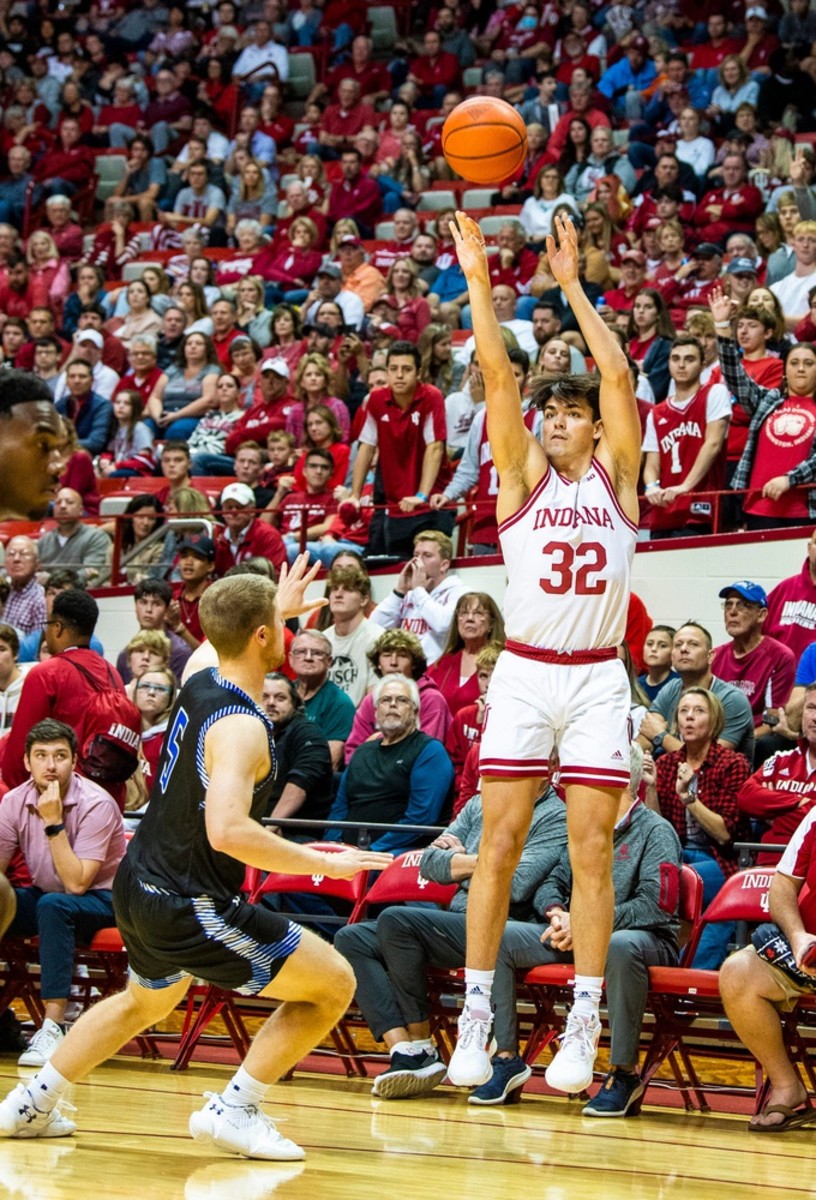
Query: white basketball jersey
[{"x": 568, "y": 552}]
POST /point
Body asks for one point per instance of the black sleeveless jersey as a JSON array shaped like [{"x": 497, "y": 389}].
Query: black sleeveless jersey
[{"x": 170, "y": 849}]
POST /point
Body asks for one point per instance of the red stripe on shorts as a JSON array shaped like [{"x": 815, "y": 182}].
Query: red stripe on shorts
[
  {"x": 594, "y": 777},
  {"x": 567, "y": 658}
]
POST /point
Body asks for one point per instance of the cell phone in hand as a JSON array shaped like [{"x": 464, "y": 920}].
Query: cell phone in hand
[
  {"x": 770, "y": 718},
  {"x": 809, "y": 959}
]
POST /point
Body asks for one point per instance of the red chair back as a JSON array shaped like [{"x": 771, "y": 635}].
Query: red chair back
[
  {"x": 743, "y": 897},
  {"x": 351, "y": 890},
  {"x": 401, "y": 883}
]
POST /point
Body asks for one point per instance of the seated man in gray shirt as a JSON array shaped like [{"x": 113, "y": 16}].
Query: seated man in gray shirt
[{"x": 692, "y": 652}]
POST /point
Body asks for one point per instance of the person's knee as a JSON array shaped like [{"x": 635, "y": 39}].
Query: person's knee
[
  {"x": 338, "y": 982},
  {"x": 736, "y": 974}
]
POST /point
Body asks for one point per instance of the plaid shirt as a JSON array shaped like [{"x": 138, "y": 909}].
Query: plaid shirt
[
  {"x": 760, "y": 402},
  {"x": 25, "y": 609},
  {"x": 719, "y": 779}
]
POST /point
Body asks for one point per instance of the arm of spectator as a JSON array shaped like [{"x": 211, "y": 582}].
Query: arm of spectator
[
  {"x": 154, "y": 405},
  {"x": 96, "y": 439},
  {"x": 744, "y": 390},
  {"x": 362, "y": 465},
  {"x": 447, "y": 860},
  {"x": 759, "y": 798},
  {"x": 658, "y": 878},
  {"x": 431, "y": 779},
  {"x": 431, "y": 462},
  {"x": 784, "y": 903}
]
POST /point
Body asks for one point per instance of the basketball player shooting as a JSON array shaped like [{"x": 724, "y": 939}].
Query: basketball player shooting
[
  {"x": 567, "y": 513},
  {"x": 177, "y": 892}
]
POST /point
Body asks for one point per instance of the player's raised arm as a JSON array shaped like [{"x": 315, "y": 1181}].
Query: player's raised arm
[
  {"x": 617, "y": 396},
  {"x": 509, "y": 437}
]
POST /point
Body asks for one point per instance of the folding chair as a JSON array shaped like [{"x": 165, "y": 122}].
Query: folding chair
[
  {"x": 550, "y": 988},
  {"x": 686, "y": 1000},
  {"x": 213, "y": 1001},
  {"x": 399, "y": 883}
]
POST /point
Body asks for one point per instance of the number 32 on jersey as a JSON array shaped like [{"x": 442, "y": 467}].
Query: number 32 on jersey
[{"x": 574, "y": 569}]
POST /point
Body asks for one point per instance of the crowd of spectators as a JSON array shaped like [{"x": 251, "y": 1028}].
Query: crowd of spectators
[{"x": 266, "y": 325}]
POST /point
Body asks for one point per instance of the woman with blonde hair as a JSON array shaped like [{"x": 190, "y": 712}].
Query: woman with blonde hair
[
  {"x": 252, "y": 198},
  {"x": 413, "y": 310},
  {"x": 313, "y": 386},
  {"x": 736, "y": 87},
  {"x": 602, "y": 246},
  {"x": 147, "y": 650},
  {"x": 252, "y": 316},
  {"x": 46, "y": 270}
]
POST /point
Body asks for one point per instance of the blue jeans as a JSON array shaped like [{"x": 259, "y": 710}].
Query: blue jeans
[
  {"x": 60, "y": 921},
  {"x": 716, "y": 937},
  {"x": 326, "y": 552},
  {"x": 212, "y": 464},
  {"x": 177, "y": 430}
]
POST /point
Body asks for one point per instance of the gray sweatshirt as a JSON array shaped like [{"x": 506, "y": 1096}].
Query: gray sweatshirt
[
  {"x": 645, "y": 874},
  {"x": 546, "y": 846}
]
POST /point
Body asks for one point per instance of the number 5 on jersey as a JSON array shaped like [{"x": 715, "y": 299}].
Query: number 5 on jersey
[{"x": 172, "y": 747}]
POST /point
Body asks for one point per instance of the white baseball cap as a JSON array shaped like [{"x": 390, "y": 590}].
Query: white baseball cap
[
  {"x": 277, "y": 365},
  {"x": 241, "y": 493},
  {"x": 90, "y": 335}
]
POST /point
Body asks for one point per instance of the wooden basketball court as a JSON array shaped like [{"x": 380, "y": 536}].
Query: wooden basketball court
[{"x": 133, "y": 1142}]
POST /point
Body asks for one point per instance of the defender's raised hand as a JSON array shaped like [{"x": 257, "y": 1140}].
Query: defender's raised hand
[{"x": 292, "y": 585}]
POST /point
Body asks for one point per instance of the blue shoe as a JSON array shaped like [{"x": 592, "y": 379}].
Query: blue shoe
[
  {"x": 504, "y": 1086},
  {"x": 410, "y": 1075},
  {"x": 621, "y": 1095}
]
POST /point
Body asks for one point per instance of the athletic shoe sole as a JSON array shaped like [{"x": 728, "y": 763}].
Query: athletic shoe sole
[{"x": 403, "y": 1085}]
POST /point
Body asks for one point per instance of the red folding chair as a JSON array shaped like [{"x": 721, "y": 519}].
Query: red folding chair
[
  {"x": 550, "y": 988},
  {"x": 686, "y": 1000},
  {"x": 213, "y": 1001}
]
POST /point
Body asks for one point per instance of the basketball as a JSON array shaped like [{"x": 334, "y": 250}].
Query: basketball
[{"x": 484, "y": 140}]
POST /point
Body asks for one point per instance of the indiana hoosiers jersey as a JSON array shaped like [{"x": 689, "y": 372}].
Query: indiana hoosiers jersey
[
  {"x": 569, "y": 552},
  {"x": 680, "y": 435},
  {"x": 170, "y": 849}
]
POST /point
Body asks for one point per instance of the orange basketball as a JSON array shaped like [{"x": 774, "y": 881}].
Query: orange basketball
[{"x": 484, "y": 140}]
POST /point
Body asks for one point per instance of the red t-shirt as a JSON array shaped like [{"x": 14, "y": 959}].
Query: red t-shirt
[
  {"x": 767, "y": 372},
  {"x": 792, "y": 612},
  {"x": 402, "y": 436},
  {"x": 766, "y": 675},
  {"x": 784, "y": 442},
  {"x": 317, "y": 507}
]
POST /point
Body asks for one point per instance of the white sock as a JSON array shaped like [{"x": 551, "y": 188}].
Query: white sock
[
  {"x": 243, "y": 1090},
  {"x": 478, "y": 990},
  {"x": 402, "y": 1048},
  {"x": 422, "y": 1045},
  {"x": 588, "y": 990},
  {"x": 47, "y": 1088}
]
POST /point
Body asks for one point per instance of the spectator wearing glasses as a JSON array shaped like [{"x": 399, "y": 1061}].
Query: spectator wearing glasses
[
  {"x": 25, "y": 606},
  {"x": 325, "y": 703},
  {"x": 154, "y": 695},
  {"x": 401, "y": 778},
  {"x": 759, "y": 666}
]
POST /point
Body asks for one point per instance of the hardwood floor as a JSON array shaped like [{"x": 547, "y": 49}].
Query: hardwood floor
[{"x": 133, "y": 1142}]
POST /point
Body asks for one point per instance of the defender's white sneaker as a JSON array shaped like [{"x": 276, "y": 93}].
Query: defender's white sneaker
[
  {"x": 245, "y": 1130},
  {"x": 20, "y": 1119}
]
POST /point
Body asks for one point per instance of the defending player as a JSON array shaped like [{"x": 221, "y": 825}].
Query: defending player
[
  {"x": 176, "y": 892},
  {"x": 567, "y": 512}
]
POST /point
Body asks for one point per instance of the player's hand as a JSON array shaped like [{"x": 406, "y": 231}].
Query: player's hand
[
  {"x": 565, "y": 259},
  {"x": 49, "y": 804},
  {"x": 292, "y": 584},
  {"x": 470, "y": 245},
  {"x": 345, "y": 864},
  {"x": 720, "y": 305},
  {"x": 776, "y": 487}
]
